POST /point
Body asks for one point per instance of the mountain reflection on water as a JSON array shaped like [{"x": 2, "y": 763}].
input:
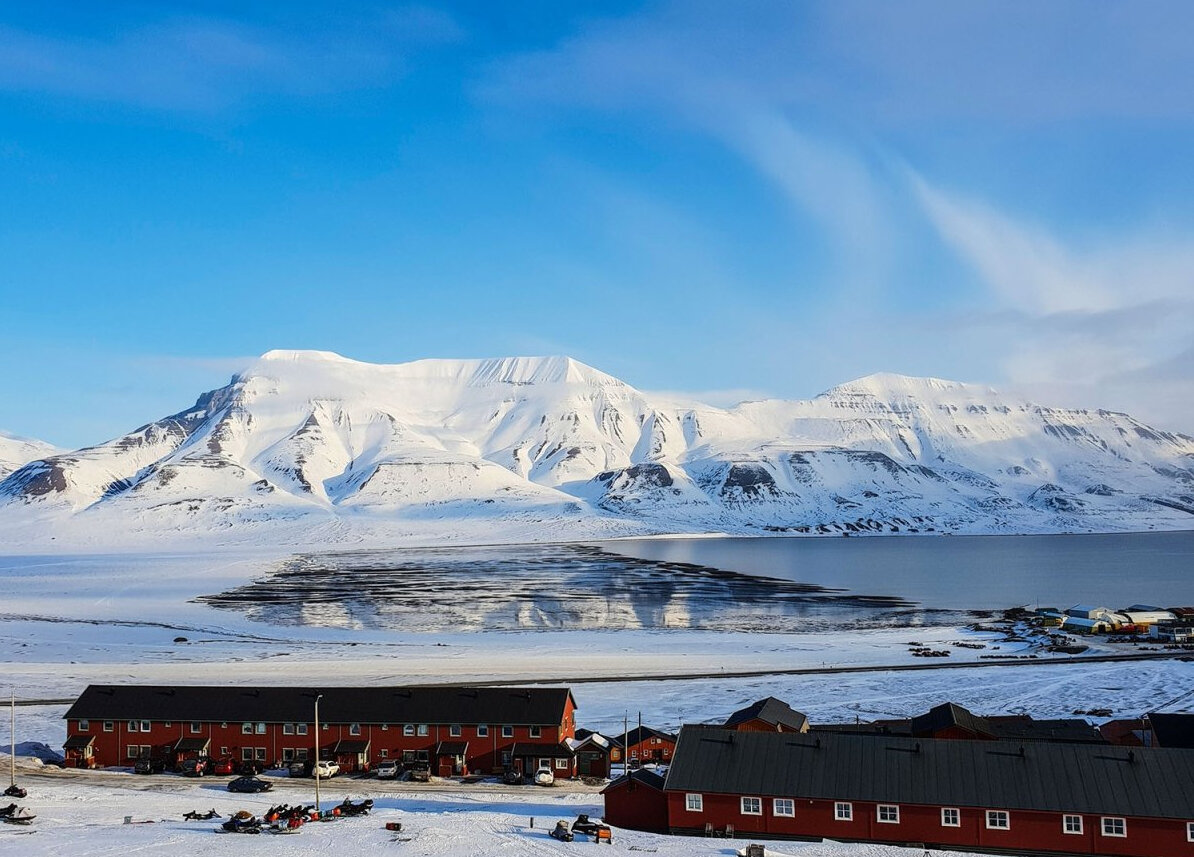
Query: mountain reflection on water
[{"x": 569, "y": 587}]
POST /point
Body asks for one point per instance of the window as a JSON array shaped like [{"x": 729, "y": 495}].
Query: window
[
  {"x": 408, "y": 730},
  {"x": 287, "y": 754},
  {"x": 482, "y": 731},
  {"x": 134, "y": 726},
  {"x": 562, "y": 764},
  {"x": 246, "y": 754},
  {"x": 246, "y": 729},
  {"x": 1190, "y": 831},
  {"x": 261, "y": 754},
  {"x": 384, "y": 753},
  {"x": 133, "y": 751},
  {"x": 752, "y": 806},
  {"x": 223, "y": 751},
  {"x": 997, "y": 819},
  {"x": 784, "y": 806},
  {"x": 454, "y": 731},
  {"x": 167, "y": 724},
  {"x": 535, "y": 732},
  {"x": 694, "y": 803},
  {"x": 287, "y": 728},
  {"x": 950, "y": 817},
  {"x": 422, "y": 730},
  {"x": 109, "y": 725},
  {"x": 1071, "y": 824},
  {"x": 385, "y": 727},
  {"x": 1114, "y": 826},
  {"x": 843, "y": 812},
  {"x": 354, "y": 728},
  {"x": 146, "y": 725},
  {"x": 507, "y": 731},
  {"x": 196, "y": 728},
  {"x": 84, "y": 725},
  {"x": 145, "y": 750},
  {"x": 300, "y": 729},
  {"x": 301, "y": 754},
  {"x": 505, "y": 757},
  {"x": 260, "y": 728},
  {"x": 888, "y": 813},
  {"x": 545, "y": 763}
]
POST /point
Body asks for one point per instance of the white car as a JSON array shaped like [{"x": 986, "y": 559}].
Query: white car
[
  {"x": 387, "y": 770},
  {"x": 325, "y": 769},
  {"x": 544, "y": 777}
]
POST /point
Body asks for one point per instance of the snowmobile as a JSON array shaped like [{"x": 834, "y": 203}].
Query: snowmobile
[
  {"x": 195, "y": 815},
  {"x": 13, "y": 814},
  {"x": 242, "y": 822},
  {"x": 584, "y": 825},
  {"x": 15, "y": 791},
  {"x": 561, "y": 832},
  {"x": 348, "y": 808}
]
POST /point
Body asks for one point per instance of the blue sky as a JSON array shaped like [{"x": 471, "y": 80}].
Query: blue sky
[{"x": 724, "y": 199}]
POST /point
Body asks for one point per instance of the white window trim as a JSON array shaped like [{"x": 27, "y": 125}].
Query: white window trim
[
  {"x": 1103, "y": 823},
  {"x": 146, "y": 726},
  {"x": 1190, "y": 831},
  {"x": 408, "y": 730},
  {"x": 879, "y": 813},
  {"x": 482, "y": 730},
  {"x": 535, "y": 732},
  {"x": 843, "y": 811},
  {"x": 998, "y": 814},
  {"x": 561, "y": 764},
  {"x": 455, "y": 730},
  {"x": 1065, "y": 824},
  {"x": 696, "y": 803},
  {"x": 957, "y": 814},
  {"x": 745, "y": 811},
  {"x": 354, "y": 729},
  {"x": 790, "y": 806},
  {"x": 109, "y": 725},
  {"x": 287, "y": 728}
]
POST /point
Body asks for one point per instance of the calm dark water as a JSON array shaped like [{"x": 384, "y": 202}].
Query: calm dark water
[{"x": 958, "y": 572}]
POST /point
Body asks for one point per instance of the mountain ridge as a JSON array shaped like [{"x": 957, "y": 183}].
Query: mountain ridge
[{"x": 380, "y": 451}]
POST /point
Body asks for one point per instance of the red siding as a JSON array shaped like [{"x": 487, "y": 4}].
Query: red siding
[
  {"x": 636, "y": 806},
  {"x": 1031, "y": 831}
]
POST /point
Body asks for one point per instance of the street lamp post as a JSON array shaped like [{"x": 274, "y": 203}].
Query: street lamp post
[{"x": 318, "y": 697}]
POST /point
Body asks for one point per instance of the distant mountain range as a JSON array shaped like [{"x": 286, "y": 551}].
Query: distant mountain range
[{"x": 313, "y": 448}]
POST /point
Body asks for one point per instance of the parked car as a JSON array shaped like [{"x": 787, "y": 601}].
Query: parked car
[
  {"x": 420, "y": 772},
  {"x": 251, "y": 768},
  {"x": 544, "y": 777},
  {"x": 224, "y": 766},
  {"x": 325, "y": 769},
  {"x": 387, "y": 769},
  {"x": 512, "y": 778},
  {"x": 250, "y": 785},
  {"x": 149, "y": 765},
  {"x": 195, "y": 767},
  {"x": 301, "y": 768}
]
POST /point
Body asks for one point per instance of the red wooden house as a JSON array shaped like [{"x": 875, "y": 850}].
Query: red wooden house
[
  {"x": 988, "y": 796},
  {"x": 456, "y": 730},
  {"x": 768, "y": 715},
  {"x": 644, "y": 744}
]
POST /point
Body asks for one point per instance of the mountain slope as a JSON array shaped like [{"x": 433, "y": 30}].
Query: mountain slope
[
  {"x": 335, "y": 449},
  {"x": 16, "y": 451}
]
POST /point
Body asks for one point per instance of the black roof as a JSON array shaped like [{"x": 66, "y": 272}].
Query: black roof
[
  {"x": 1172, "y": 730},
  {"x": 78, "y": 742},
  {"x": 191, "y": 745},
  {"x": 542, "y": 706},
  {"x": 526, "y": 748},
  {"x": 642, "y": 733},
  {"x": 770, "y": 710},
  {"x": 947, "y": 715},
  {"x": 647, "y": 778},
  {"x": 1060, "y": 729},
  {"x": 451, "y": 748},
  {"x": 1051, "y": 777},
  {"x": 350, "y": 745}
]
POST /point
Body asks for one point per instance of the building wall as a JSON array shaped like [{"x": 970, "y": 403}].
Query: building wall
[
  {"x": 1031, "y": 831},
  {"x": 386, "y": 740},
  {"x": 646, "y": 750},
  {"x": 637, "y": 808}
]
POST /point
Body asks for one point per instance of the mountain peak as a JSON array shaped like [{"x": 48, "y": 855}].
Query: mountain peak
[{"x": 889, "y": 385}]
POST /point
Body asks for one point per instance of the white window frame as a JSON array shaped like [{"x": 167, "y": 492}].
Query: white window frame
[
  {"x": 133, "y": 751},
  {"x": 751, "y": 805},
  {"x": 246, "y": 728},
  {"x": 1190, "y": 831},
  {"x": 535, "y": 732},
  {"x": 843, "y": 811},
  {"x": 998, "y": 819},
  {"x": 1108, "y": 822},
  {"x": 384, "y": 753},
  {"x": 422, "y": 730},
  {"x": 408, "y": 730},
  {"x": 783, "y": 807},
  {"x": 259, "y": 729},
  {"x": 696, "y": 803},
  {"x": 109, "y": 725},
  {"x": 561, "y": 764},
  {"x": 246, "y": 754},
  {"x": 133, "y": 726},
  {"x": 354, "y": 728},
  {"x": 891, "y": 810},
  {"x": 84, "y": 725},
  {"x": 482, "y": 730},
  {"x": 1066, "y": 826},
  {"x": 951, "y": 816},
  {"x": 455, "y": 730},
  {"x": 507, "y": 731},
  {"x": 260, "y": 754},
  {"x": 196, "y": 727},
  {"x": 287, "y": 728}
]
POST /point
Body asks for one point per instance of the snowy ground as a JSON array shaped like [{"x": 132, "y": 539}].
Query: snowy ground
[{"x": 87, "y": 820}]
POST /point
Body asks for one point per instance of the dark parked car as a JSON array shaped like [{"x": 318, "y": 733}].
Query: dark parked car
[
  {"x": 250, "y": 768},
  {"x": 149, "y": 765},
  {"x": 195, "y": 767},
  {"x": 420, "y": 772},
  {"x": 300, "y": 768},
  {"x": 249, "y": 785}
]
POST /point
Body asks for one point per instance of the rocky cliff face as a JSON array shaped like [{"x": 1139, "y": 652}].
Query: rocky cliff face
[{"x": 314, "y": 437}]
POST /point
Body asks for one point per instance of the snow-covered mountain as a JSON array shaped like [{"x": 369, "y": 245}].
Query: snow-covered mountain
[
  {"x": 317, "y": 447},
  {"x": 15, "y": 451}
]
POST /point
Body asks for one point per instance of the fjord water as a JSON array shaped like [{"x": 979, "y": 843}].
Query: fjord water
[{"x": 958, "y": 572}]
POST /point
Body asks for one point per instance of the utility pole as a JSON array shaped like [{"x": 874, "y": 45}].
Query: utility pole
[{"x": 318, "y": 697}]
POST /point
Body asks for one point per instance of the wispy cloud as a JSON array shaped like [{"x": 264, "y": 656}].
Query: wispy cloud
[{"x": 203, "y": 63}]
